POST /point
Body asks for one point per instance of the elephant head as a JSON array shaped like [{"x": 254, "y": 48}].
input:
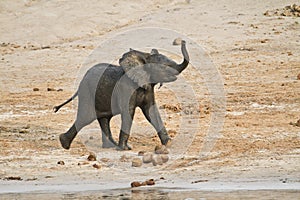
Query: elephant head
[{"x": 144, "y": 68}]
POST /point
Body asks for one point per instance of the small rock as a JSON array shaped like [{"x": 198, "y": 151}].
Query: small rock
[
  {"x": 23, "y": 131},
  {"x": 165, "y": 158},
  {"x": 104, "y": 159},
  {"x": 297, "y": 123},
  {"x": 60, "y": 90},
  {"x": 135, "y": 184},
  {"x": 157, "y": 160},
  {"x": 50, "y": 89},
  {"x": 27, "y": 126},
  {"x": 267, "y": 13},
  {"x": 17, "y": 178},
  {"x": 83, "y": 163},
  {"x": 97, "y": 166},
  {"x": 172, "y": 133},
  {"x": 200, "y": 181},
  {"x": 150, "y": 182},
  {"x": 141, "y": 153},
  {"x": 161, "y": 149},
  {"x": 61, "y": 162},
  {"x": 147, "y": 158},
  {"x": 45, "y": 47},
  {"x": 15, "y": 46},
  {"x": 92, "y": 157},
  {"x": 289, "y": 53},
  {"x": 177, "y": 41},
  {"x": 264, "y": 41},
  {"x": 36, "y": 89},
  {"x": 124, "y": 158},
  {"x": 137, "y": 162},
  {"x": 298, "y": 76},
  {"x": 31, "y": 179}
]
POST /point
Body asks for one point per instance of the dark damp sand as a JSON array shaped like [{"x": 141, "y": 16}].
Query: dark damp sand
[{"x": 162, "y": 194}]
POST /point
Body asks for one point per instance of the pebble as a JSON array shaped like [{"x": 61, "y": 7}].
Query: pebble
[
  {"x": 298, "y": 76},
  {"x": 172, "y": 133},
  {"x": 298, "y": 123},
  {"x": 124, "y": 158},
  {"x": 23, "y": 131},
  {"x": 17, "y": 178},
  {"x": 97, "y": 166},
  {"x": 50, "y": 89},
  {"x": 147, "y": 158},
  {"x": 157, "y": 160},
  {"x": 83, "y": 163},
  {"x": 165, "y": 158},
  {"x": 150, "y": 182},
  {"x": 141, "y": 153},
  {"x": 161, "y": 149},
  {"x": 137, "y": 162},
  {"x": 104, "y": 159},
  {"x": 177, "y": 41},
  {"x": 61, "y": 162},
  {"x": 136, "y": 184},
  {"x": 92, "y": 157},
  {"x": 36, "y": 89}
]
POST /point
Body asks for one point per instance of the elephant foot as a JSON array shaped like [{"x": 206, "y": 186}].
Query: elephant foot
[
  {"x": 164, "y": 138},
  {"x": 123, "y": 147},
  {"x": 166, "y": 141},
  {"x": 123, "y": 138},
  {"x": 108, "y": 143},
  {"x": 64, "y": 141}
]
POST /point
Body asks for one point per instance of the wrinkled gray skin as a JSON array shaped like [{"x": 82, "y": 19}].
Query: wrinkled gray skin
[{"x": 107, "y": 90}]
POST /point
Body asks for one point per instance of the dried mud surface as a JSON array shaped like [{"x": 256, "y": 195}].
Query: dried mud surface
[{"x": 43, "y": 45}]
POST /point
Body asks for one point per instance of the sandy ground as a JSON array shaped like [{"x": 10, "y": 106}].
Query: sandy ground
[{"x": 45, "y": 44}]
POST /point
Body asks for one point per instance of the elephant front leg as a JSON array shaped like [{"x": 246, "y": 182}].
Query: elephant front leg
[
  {"x": 107, "y": 139},
  {"x": 125, "y": 130},
  {"x": 152, "y": 114}
]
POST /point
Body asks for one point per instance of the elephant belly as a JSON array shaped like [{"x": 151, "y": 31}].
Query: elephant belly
[{"x": 104, "y": 104}]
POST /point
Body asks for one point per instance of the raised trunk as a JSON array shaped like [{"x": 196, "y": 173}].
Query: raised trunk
[{"x": 186, "y": 58}]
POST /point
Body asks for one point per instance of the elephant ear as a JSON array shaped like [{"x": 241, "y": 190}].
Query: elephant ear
[
  {"x": 139, "y": 76},
  {"x": 132, "y": 59},
  {"x": 160, "y": 73},
  {"x": 152, "y": 73}
]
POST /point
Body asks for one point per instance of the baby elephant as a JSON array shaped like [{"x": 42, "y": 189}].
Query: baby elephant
[{"x": 108, "y": 90}]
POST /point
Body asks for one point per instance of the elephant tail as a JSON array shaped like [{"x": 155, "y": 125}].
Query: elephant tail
[{"x": 56, "y": 108}]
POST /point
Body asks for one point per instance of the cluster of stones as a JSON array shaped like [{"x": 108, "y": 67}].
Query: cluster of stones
[
  {"x": 159, "y": 157},
  {"x": 147, "y": 182},
  {"x": 287, "y": 11}
]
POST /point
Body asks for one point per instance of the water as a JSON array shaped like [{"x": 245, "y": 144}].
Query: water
[{"x": 160, "y": 193}]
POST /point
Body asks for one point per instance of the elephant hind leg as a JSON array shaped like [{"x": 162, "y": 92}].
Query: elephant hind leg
[
  {"x": 67, "y": 138},
  {"x": 107, "y": 139}
]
